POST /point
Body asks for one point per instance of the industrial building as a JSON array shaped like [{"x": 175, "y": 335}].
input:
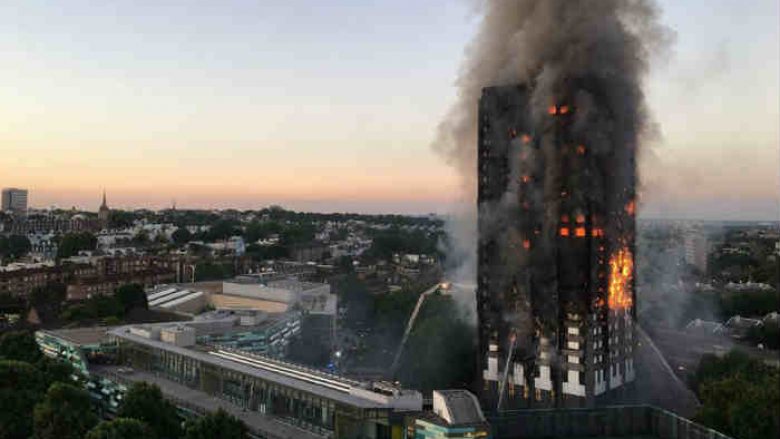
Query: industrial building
[
  {"x": 555, "y": 293},
  {"x": 274, "y": 398}
]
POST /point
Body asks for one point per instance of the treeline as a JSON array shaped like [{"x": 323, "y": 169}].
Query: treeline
[
  {"x": 740, "y": 396},
  {"x": 190, "y": 217},
  {"x": 13, "y": 247},
  {"x": 50, "y": 303},
  {"x": 47, "y": 399},
  {"x": 394, "y": 240},
  {"x": 441, "y": 348}
]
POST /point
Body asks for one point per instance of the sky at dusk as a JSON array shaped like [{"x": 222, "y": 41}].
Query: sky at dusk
[{"x": 332, "y": 105}]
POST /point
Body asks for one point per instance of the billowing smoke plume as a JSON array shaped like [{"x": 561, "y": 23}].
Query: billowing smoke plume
[{"x": 544, "y": 45}]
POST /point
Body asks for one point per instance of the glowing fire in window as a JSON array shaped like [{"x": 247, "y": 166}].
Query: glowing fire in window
[
  {"x": 621, "y": 271},
  {"x": 579, "y": 232},
  {"x": 564, "y": 231},
  {"x": 631, "y": 208},
  {"x": 526, "y": 244}
]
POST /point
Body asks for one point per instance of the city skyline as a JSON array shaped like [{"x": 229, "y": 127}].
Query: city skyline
[{"x": 325, "y": 108}]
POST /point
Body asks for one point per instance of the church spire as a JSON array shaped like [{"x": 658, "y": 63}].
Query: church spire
[{"x": 104, "y": 199}]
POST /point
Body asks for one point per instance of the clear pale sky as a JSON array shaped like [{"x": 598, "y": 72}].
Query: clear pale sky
[{"x": 332, "y": 105}]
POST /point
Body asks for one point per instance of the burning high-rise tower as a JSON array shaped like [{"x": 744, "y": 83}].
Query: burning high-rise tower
[{"x": 555, "y": 295}]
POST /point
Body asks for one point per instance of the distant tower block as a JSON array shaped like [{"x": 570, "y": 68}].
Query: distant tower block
[
  {"x": 104, "y": 213},
  {"x": 555, "y": 286}
]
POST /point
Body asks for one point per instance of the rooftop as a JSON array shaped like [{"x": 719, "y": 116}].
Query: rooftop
[
  {"x": 337, "y": 388},
  {"x": 81, "y": 336}
]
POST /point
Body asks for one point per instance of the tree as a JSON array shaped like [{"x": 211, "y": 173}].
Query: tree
[
  {"x": 131, "y": 296},
  {"x": 212, "y": 271},
  {"x": 438, "y": 353},
  {"x": 181, "y": 236},
  {"x": 55, "y": 371},
  {"x": 145, "y": 402},
  {"x": 223, "y": 229},
  {"x": 219, "y": 425},
  {"x": 20, "y": 346},
  {"x": 14, "y": 246},
  {"x": 48, "y": 299},
  {"x": 740, "y": 396},
  {"x": 21, "y": 386},
  {"x": 121, "y": 428},
  {"x": 72, "y": 243},
  {"x": 65, "y": 413}
]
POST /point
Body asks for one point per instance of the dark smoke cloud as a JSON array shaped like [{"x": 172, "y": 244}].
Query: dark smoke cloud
[{"x": 542, "y": 44}]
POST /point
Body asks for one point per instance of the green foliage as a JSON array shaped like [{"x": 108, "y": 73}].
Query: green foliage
[
  {"x": 54, "y": 371},
  {"x": 440, "y": 351},
  {"x": 392, "y": 310},
  {"x": 65, "y": 413},
  {"x": 14, "y": 246},
  {"x": 110, "y": 309},
  {"x": 121, "y": 428},
  {"x": 265, "y": 252},
  {"x": 354, "y": 295},
  {"x": 48, "y": 299},
  {"x": 144, "y": 401},
  {"x": 219, "y": 425},
  {"x": 261, "y": 230},
  {"x": 20, "y": 346},
  {"x": 749, "y": 303},
  {"x": 396, "y": 240},
  {"x": 72, "y": 243},
  {"x": 740, "y": 396},
  {"x": 121, "y": 219},
  {"x": 131, "y": 296},
  {"x": 297, "y": 234},
  {"x": 21, "y": 386},
  {"x": 213, "y": 271},
  {"x": 767, "y": 334},
  {"x": 181, "y": 236},
  {"x": 221, "y": 230}
]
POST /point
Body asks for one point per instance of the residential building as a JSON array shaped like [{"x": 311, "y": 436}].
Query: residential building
[
  {"x": 555, "y": 292},
  {"x": 14, "y": 200},
  {"x": 696, "y": 250}
]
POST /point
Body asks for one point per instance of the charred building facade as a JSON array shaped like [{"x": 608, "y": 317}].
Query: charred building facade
[{"x": 555, "y": 291}]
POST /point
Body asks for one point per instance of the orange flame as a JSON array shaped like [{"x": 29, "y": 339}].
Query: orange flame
[
  {"x": 526, "y": 138},
  {"x": 553, "y": 110},
  {"x": 564, "y": 231},
  {"x": 579, "y": 232},
  {"x": 631, "y": 208},
  {"x": 621, "y": 268},
  {"x": 563, "y": 109}
]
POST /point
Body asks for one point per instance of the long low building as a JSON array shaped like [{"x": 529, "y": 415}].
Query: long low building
[{"x": 271, "y": 395}]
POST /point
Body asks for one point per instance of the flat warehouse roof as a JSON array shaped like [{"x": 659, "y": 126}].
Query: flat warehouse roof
[{"x": 279, "y": 374}]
